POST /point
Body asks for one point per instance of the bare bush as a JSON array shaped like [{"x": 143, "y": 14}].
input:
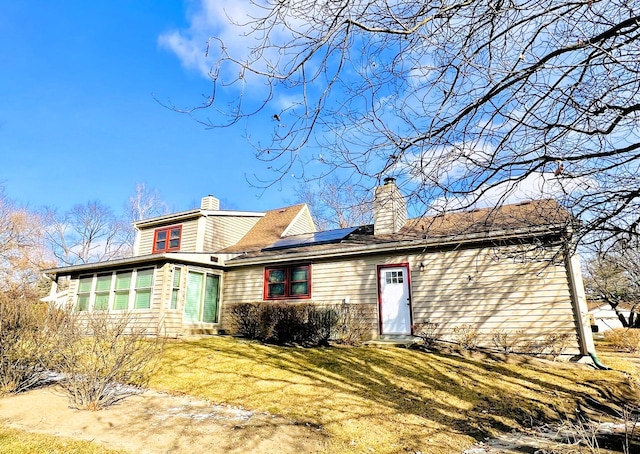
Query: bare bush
[
  {"x": 534, "y": 347},
  {"x": 321, "y": 322},
  {"x": 466, "y": 336},
  {"x": 582, "y": 436},
  {"x": 284, "y": 323},
  {"x": 427, "y": 332},
  {"x": 552, "y": 344},
  {"x": 631, "y": 417},
  {"x": 103, "y": 358},
  {"x": 557, "y": 344},
  {"x": 353, "y": 326},
  {"x": 624, "y": 339},
  {"x": 22, "y": 342},
  {"x": 243, "y": 319},
  {"x": 507, "y": 341}
]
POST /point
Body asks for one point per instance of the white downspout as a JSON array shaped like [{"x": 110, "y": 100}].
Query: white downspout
[{"x": 585, "y": 337}]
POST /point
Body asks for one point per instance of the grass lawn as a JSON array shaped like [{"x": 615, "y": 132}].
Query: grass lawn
[
  {"x": 20, "y": 442},
  {"x": 388, "y": 400}
]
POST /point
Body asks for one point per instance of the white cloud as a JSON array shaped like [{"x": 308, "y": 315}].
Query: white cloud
[
  {"x": 534, "y": 186},
  {"x": 208, "y": 18},
  {"x": 236, "y": 25},
  {"x": 288, "y": 102},
  {"x": 442, "y": 164},
  {"x": 191, "y": 55}
]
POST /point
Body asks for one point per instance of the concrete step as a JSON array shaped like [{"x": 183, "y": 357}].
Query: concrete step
[{"x": 404, "y": 341}]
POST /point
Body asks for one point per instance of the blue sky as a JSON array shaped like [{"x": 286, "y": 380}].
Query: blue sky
[{"x": 79, "y": 116}]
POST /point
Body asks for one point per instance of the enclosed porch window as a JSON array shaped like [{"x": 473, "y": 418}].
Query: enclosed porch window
[{"x": 117, "y": 290}]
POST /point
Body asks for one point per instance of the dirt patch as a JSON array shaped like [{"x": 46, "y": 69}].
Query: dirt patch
[{"x": 155, "y": 422}]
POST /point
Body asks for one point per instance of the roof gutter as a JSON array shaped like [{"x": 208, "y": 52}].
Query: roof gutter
[
  {"x": 189, "y": 257},
  {"x": 191, "y": 214}
]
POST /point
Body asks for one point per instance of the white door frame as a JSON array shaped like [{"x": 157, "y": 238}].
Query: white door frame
[{"x": 398, "y": 317}]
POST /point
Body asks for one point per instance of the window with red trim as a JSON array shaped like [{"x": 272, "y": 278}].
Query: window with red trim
[
  {"x": 167, "y": 239},
  {"x": 287, "y": 282}
]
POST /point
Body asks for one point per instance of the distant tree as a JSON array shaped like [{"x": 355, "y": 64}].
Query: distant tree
[
  {"x": 146, "y": 203},
  {"x": 92, "y": 232},
  {"x": 459, "y": 100},
  {"x": 335, "y": 204},
  {"x": 613, "y": 276},
  {"x": 87, "y": 233},
  {"x": 22, "y": 249}
]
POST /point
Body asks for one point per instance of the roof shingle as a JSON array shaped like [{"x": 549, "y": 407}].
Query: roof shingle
[{"x": 266, "y": 231}]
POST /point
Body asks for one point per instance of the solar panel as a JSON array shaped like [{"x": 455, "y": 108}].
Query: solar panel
[{"x": 308, "y": 239}]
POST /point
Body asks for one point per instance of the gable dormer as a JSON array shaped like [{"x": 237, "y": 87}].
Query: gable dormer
[
  {"x": 204, "y": 230},
  {"x": 176, "y": 232},
  {"x": 302, "y": 223}
]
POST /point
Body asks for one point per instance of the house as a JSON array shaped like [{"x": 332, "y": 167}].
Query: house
[
  {"x": 604, "y": 318},
  {"x": 504, "y": 269}
]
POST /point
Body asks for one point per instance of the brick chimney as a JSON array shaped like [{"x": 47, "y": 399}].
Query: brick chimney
[
  {"x": 389, "y": 208},
  {"x": 210, "y": 203}
]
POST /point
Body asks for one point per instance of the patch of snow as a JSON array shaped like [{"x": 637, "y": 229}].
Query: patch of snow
[{"x": 208, "y": 412}]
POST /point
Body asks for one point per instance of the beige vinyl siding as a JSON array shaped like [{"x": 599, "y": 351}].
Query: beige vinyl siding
[
  {"x": 301, "y": 224},
  {"x": 170, "y": 320},
  {"x": 189, "y": 236},
  {"x": 225, "y": 231},
  {"x": 493, "y": 293},
  {"x": 145, "y": 245},
  {"x": 507, "y": 291},
  {"x": 188, "y": 239},
  {"x": 243, "y": 285},
  {"x": 331, "y": 283}
]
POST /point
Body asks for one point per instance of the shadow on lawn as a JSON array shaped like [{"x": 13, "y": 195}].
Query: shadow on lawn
[{"x": 420, "y": 397}]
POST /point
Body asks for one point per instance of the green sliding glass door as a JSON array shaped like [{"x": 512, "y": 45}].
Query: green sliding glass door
[{"x": 203, "y": 292}]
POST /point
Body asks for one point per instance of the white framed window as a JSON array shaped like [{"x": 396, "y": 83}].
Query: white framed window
[
  {"x": 85, "y": 285},
  {"x": 175, "y": 287},
  {"x": 119, "y": 290}
]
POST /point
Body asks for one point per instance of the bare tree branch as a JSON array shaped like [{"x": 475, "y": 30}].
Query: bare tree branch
[
  {"x": 87, "y": 233},
  {"x": 461, "y": 101}
]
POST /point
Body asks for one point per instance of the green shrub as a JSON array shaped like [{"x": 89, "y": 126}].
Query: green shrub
[
  {"x": 321, "y": 324},
  {"x": 243, "y": 319}
]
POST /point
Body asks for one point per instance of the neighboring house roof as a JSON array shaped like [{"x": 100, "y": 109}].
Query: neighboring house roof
[
  {"x": 593, "y": 305},
  {"x": 522, "y": 219},
  {"x": 267, "y": 230},
  {"x": 507, "y": 217}
]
